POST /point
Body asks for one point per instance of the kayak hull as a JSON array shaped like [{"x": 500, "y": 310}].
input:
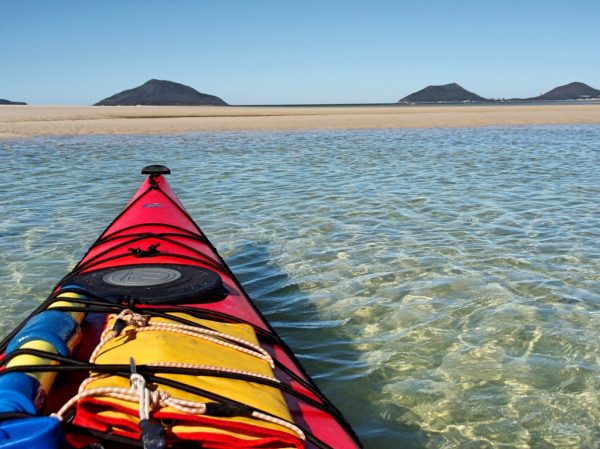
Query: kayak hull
[{"x": 153, "y": 258}]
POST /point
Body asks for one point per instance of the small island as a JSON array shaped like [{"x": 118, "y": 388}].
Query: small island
[
  {"x": 162, "y": 93},
  {"x": 454, "y": 93},
  {"x": 571, "y": 91},
  {"x": 445, "y": 93},
  {"x": 16, "y": 103}
]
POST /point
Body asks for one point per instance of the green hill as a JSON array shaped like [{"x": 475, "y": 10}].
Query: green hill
[
  {"x": 445, "y": 93},
  {"x": 161, "y": 93},
  {"x": 572, "y": 91},
  {"x": 12, "y": 102}
]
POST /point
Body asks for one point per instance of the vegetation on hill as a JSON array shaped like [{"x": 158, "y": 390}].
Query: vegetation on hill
[
  {"x": 453, "y": 93},
  {"x": 445, "y": 93},
  {"x": 12, "y": 102},
  {"x": 161, "y": 93},
  {"x": 571, "y": 91}
]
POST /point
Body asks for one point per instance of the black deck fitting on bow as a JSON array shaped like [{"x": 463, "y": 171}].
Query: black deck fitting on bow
[{"x": 155, "y": 170}]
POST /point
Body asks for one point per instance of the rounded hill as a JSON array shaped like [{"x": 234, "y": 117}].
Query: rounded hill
[
  {"x": 571, "y": 91},
  {"x": 5, "y": 102},
  {"x": 162, "y": 93},
  {"x": 445, "y": 93}
]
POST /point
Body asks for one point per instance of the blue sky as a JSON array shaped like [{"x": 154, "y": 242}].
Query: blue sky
[{"x": 294, "y": 51}]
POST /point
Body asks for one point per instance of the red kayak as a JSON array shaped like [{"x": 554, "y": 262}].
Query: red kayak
[{"x": 152, "y": 342}]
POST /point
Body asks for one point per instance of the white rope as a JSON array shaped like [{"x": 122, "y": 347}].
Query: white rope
[
  {"x": 213, "y": 368},
  {"x": 141, "y": 323},
  {"x": 138, "y": 385},
  {"x": 138, "y": 393},
  {"x": 280, "y": 422},
  {"x": 146, "y": 399}
]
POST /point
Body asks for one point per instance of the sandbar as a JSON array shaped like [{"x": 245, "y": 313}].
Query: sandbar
[{"x": 31, "y": 121}]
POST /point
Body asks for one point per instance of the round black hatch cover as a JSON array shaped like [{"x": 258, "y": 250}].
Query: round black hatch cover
[{"x": 152, "y": 284}]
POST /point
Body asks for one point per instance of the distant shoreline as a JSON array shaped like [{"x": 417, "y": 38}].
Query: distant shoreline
[
  {"x": 410, "y": 105},
  {"x": 31, "y": 121}
]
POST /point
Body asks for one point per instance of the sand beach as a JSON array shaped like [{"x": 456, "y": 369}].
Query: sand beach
[{"x": 30, "y": 121}]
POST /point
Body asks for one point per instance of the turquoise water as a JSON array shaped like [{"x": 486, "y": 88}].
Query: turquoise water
[{"x": 442, "y": 286}]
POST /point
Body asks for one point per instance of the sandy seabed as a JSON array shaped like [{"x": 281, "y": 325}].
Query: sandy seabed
[{"x": 30, "y": 121}]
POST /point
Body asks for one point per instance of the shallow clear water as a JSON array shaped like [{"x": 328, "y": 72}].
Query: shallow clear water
[{"x": 442, "y": 286}]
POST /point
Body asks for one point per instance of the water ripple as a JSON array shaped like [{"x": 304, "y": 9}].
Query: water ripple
[{"x": 442, "y": 286}]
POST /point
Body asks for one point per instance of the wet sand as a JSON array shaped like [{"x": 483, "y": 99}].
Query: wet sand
[{"x": 30, "y": 121}]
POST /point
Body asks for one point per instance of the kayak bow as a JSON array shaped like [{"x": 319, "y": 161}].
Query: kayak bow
[{"x": 151, "y": 341}]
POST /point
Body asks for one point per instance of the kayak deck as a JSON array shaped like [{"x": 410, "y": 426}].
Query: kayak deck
[{"x": 154, "y": 305}]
